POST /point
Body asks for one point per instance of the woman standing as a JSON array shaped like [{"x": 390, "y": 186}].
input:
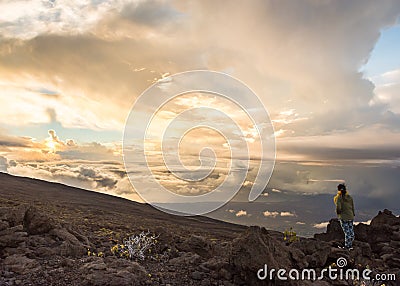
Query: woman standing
[{"x": 345, "y": 212}]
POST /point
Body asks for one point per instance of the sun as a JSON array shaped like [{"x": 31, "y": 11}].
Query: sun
[{"x": 51, "y": 145}]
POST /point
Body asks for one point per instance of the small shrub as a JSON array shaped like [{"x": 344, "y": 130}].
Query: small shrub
[
  {"x": 290, "y": 236},
  {"x": 140, "y": 247}
]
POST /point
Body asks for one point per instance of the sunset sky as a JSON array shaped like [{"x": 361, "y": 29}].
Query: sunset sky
[{"x": 327, "y": 71}]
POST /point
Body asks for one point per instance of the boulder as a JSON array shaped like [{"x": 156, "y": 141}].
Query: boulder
[
  {"x": 361, "y": 232},
  {"x": 316, "y": 252},
  {"x": 395, "y": 236},
  {"x": 186, "y": 258},
  {"x": 64, "y": 235},
  {"x": 12, "y": 237},
  {"x": 68, "y": 249},
  {"x": 298, "y": 257},
  {"x": 252, "y": 250},
  {"x": 20, "y": 264},
  {"x": 13, "y": 215},
  {"x": 196, "y": 244},
  {"x": 385, "y": 217},
  {"x": 379, "y": 233},
  {"x": 215, "y": 263},
  {"x": 333, "y": 231},
  {"x": 4, "y": 225},
  {"x": 364, "y": 247},
  {"x": 197, "y": 275},
  {"x": 112, "y": 271},
  {"x": 36, "y": 222}
]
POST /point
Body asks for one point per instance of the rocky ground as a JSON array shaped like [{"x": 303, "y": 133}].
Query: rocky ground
[{"x": 51, "y": 234}]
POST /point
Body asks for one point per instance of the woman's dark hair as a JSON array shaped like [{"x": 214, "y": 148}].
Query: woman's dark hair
[{"x": 342, "y": 188}]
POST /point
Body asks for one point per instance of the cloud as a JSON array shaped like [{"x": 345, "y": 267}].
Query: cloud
[
  {"x": 151, "y": 13},
  {"x": 316, "y": 53},
  {"x": 124, "y": 187},
  {"x": 374, "y": 179},
  {"x": 53, "y": 148},
  {"x": 81, "y": 63},
  {"x": 89, "y": 165},
  {"x": 241, "y": 213},
  {"x": 387, "y": 87},
  {"x": 3, "y": 164},
  {"x": 275, "y": 214},
  {"x": 87, "y": 172},
  {"x": 25, "y": 21},
  {"x": 54, "y": 137},
  {"x": 81, "y": 174},
  {"x": 364, "y": 143},
  {"x": 287, "y": 214},
  {"x": 106, "y": 182},
  {"x": 270, "y": 214},
  {"x": 89, "y": 151},
  {"x": 321, "y": 225},
  {"x": 14, "y": 141},
  {"x": 368, "y": 222},
  {"x": 12, "y": 163}
]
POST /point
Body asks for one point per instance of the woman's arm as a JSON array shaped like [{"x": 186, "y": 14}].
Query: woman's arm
[{"x": 339, "y": 205}]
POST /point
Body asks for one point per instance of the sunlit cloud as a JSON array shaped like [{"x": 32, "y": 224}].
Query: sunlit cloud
[
  {"x": 81, "y": 65},
  {"x": 387, "y": 88},
  {"x": 287, "y": 214},
  {"x": 321, "y": 225},
  {"x": 26, "y": 21},
  {"x": 241, "y": 213},
  {"x": 270, "y": 214},
  {"x": 368, "y": 222},
  {"x": 275, "y": 214}
]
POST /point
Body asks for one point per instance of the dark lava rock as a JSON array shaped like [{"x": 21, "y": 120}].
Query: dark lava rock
[
  {"x": 316, "y": 252},
  {"x": 198, "y": 245},
  {"x": 4, "y": 225},
  {"x": 197, "y": 275},
  {"x": 333, "y": 231},
  {"x": 361, "y": 232},
  {"x": 12, "y": 236},
  {"x": 20, "y": 264},
  {"x": 36, "y": 222},
  {"x": 186, "y": 258},
  {"x": 254, "y": 248},
  {"x": 378, "y": 234},
  {"x": 112, "y": 271},
  {"x": 385, "y": 217},
  {"x": 13, "y": 215}
]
